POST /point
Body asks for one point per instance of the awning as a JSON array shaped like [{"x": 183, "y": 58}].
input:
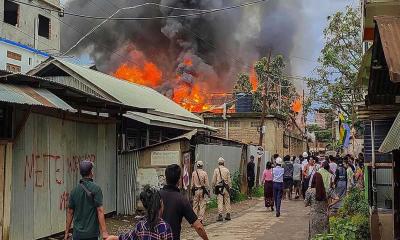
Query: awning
[
  {"x": 392, "y": 140},
  {"x": 32, "y": 96},
  {"x": 155, "y": 120},
  {"x": 389, "y": 31}
]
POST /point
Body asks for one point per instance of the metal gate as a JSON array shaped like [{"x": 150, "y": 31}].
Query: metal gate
[{"x": 127, "y": 187}]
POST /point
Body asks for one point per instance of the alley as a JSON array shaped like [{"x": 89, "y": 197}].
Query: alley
[{"x": 259, "y": 224}]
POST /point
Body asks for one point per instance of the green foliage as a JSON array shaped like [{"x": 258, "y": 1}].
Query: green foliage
[
  {"x": 236, "y": 195},
  {"x": 336, "y": 85},
  {"x": 258, "y": 191},
  {"x": 320, "y": 134},
  {"x": 277, "y": 101},
  {"x": 354, "y": 203},
  {"x": 212, "y": 203},
  {"x": 243, "y": 84}
]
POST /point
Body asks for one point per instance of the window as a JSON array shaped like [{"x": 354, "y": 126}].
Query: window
[
  {"x": 13, "y": 68},
  {"x": 44, "y": 27},
  {"x": 219, "y": 124},
  {"x": 286, "y": 141},
  {"x": 6, "y": 122},
  {"x": 255, "y": 124},
  {"x": 234, "y": 124},
  {"x": 11, "y": 11},
  {"x": 14, "y": 55},
  {"x": 30, "y": 61}
]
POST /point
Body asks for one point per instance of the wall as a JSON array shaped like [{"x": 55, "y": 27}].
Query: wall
[
  {"x": 25, "y": 32},
  {"x": 248, "y": 133},
  {"x": 209, "y": 154},
  {"x": 45, "y": 169},
  {"x": 127, "y": 188}
]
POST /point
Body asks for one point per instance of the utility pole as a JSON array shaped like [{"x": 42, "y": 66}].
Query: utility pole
[{"x": 260, "y": 143}]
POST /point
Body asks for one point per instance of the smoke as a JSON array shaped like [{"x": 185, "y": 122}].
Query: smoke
[{"x": 220, "y": 45}]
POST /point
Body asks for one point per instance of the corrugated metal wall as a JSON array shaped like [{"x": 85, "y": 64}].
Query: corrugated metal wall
[
  {"x": 384, "y": 180},
  {"x": 127, "y": 188},
  {"x": 209, "y": 154},
  {"x": 45, "y": 170}
]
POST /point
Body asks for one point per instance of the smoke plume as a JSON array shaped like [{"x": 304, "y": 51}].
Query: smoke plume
[{"x": 218, "y": 45}]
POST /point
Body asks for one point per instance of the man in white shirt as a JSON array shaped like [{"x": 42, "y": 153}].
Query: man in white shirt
[
  {"x": 277, "y": 178},
  {"x": 305, "y": 161}
]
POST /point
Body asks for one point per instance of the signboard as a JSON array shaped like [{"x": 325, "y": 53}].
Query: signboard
[
  {"x": 260, "y": 151},
  {"x": 164, "y": 158},
  {"x": 151, "y": 176}
]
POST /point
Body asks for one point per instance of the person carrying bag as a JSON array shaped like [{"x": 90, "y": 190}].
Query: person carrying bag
[{"x": 222, "y": 184}]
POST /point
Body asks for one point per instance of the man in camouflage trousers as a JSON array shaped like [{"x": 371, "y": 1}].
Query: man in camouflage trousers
[{"x": 200, "y": 188}]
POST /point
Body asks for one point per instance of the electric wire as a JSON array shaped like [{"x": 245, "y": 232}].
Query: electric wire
[{"x": 197, "y": 13}]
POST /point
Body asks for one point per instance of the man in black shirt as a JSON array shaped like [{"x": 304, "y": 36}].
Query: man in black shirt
[
  {"x": 251, "y": 176},
  {"x": 176, "y": 206}
]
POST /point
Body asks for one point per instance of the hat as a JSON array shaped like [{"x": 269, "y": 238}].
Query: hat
[
  {"x": 305, "y": 154},
  {"x": 221, "y": 160},
  {"x": 278, "y": 160},
  {"x": 199, "y": 163},
  {"x": 85, "y": 167}
]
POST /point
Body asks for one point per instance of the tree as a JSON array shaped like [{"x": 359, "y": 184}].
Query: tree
[
  {"x": 243, "y": 84},
  {"x": 336, "y": 83},
  {"x": 280, "y": 90}
]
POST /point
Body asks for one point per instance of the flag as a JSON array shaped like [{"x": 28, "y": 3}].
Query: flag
[
  {"x": 342, "y": 130},
  {"x": 346, "y": 140}
]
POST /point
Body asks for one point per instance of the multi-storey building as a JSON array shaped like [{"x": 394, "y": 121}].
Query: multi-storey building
[{"x": 28, "y": 34}]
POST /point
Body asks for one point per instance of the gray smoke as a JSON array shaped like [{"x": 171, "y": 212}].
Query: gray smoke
[{"x": 220, "y": 45}]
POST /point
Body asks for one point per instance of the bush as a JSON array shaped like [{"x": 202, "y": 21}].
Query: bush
[
  {"x": 354, "y": 203},
  {"x": 258, "y": 191},
  {"x": 212, "y": 203},
  {"x": 236, "y": 195}
]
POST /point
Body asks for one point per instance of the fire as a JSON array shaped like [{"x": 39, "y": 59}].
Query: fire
[
  {"x": 149, "y": 75},
  {"x": 297, "y": 105},
  {"x": 253, "y": 79},
  {"x": 189, "y": 94}
]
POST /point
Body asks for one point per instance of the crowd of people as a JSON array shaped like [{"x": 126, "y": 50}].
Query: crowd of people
[
  {"x": 322, "y": 181},
  {"x": 165, "y": 208}
]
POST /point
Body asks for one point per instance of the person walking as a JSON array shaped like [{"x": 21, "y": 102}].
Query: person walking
[
  {"x": 267, "y": 180},
  {"x": 176, "y": 206},
  {"x": 152, "y": 226},
  {"x": 349, "y": 175},
  {"x": 308, "y": 170},
  {"x": 304, "y": 183},
  {"x": 317, "y": 200},
  {"x": 297, "y": 177},
  {"x": 85, "y": 207},
  {"x": 277, "y": 175},
  {"x": 221, "y": 184},
  {"x": 287, "y": 178},
  {"x": 340, "y": 183},
  {"x": 200, "y": 189},
  {"x": 332, "y": 164},
  {"x": 251, "y": 176}
]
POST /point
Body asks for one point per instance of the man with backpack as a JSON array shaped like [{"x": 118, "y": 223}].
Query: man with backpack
[
  {"x": 222, "y": 184},
  {"x": 199, "y": 190},
  {"x": 85, "y": 207}
]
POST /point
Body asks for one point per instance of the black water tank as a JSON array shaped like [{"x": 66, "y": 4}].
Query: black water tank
[{"x": 244, "y": 102}]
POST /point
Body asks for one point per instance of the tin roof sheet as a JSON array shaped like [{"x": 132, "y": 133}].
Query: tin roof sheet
[
  {"x": 392, "y": 140},
  {"x": 389, "y": 31},
  {"x": 127, "y": 92},
  {"x": 155, "y": 120},
  {"x": 31, "y": 96}
]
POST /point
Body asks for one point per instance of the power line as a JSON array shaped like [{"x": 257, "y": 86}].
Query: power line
[{"x": 197, "y": 13}]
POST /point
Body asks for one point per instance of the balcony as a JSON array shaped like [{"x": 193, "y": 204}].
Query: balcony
[{"x": 372, "y": 8}]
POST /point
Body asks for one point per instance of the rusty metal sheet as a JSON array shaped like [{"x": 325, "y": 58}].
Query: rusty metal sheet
[
  {"x": 389, "y": 31},
  {"x": 45, "y": 170},
  {"x": 31, "y": 96}
]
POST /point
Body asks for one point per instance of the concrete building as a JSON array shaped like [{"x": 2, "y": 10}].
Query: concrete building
[
  {"x": 244, "y": 127},
  {"x": 28, "y": 35}
]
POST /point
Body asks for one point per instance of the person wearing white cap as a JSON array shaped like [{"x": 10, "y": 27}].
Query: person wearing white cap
[
  {"x": 277, "y": 173},
  {"x": 222, "y": 183},
  {"x": 200, "y": 188}
]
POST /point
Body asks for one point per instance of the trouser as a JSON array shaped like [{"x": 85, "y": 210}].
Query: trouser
[
  {"x": 199, "y": 204},
  {"x": 278, "y": 188},
  {"x": 224, "y": 200}
]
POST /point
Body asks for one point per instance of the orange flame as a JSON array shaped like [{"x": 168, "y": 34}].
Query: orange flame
[
  {"x": 188, "y": 62},
  {"x": 253, "y": 79},
  {"x": 297, "y": 105}
]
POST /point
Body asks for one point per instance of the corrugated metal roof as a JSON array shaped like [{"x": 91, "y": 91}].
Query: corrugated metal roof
[
  {"x": 392, "y": 139},
  {"x": 31, "y": 96},
  {"x": 389, "y": 31},
  {"x": 155, "y": 120},
  {"x": 130, "y": 93}
]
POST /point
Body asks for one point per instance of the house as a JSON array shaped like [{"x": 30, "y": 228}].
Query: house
[
  {"x": 279, "y": 137},
  {"x": 28, "y": 35},
  {"x": 382, "y": 105},
  {"x": 47, "y": 129}
]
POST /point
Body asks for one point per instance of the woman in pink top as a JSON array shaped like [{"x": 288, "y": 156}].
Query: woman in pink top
[{"x": 268, "y": 186}]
